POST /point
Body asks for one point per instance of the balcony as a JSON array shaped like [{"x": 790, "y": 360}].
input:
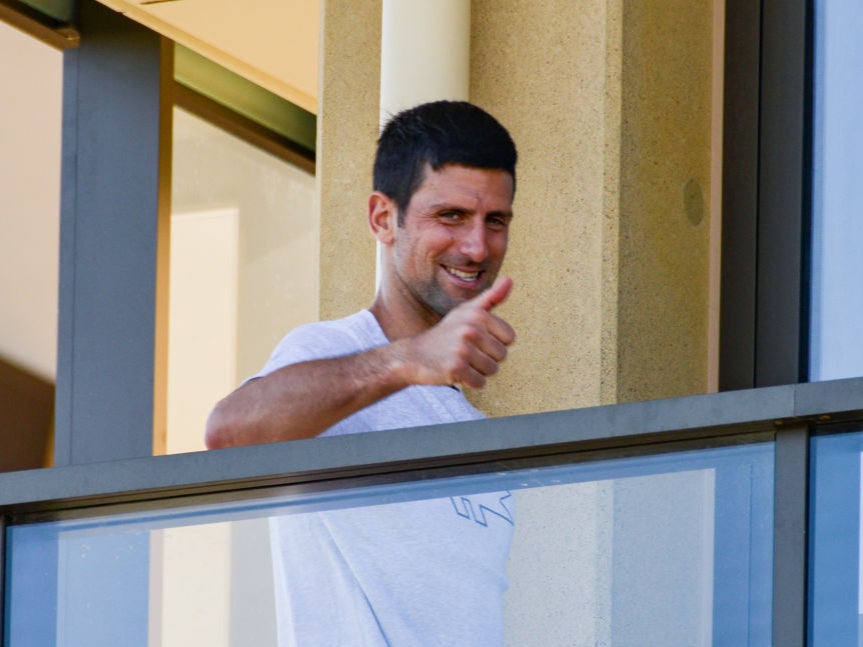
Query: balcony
[{"x": 724, "y": 519}]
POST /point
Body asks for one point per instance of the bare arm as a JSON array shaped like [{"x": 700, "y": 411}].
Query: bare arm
[{"x": 303, "y": 400}]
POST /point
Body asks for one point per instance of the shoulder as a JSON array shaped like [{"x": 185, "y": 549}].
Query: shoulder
[{"x": 324, "y": 339}]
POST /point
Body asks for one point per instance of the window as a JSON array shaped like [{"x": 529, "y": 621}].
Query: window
[
  {"x": 243, "y": 267},
  {"x": 30, "y": 120},
  {"x": 837, "y": 301}
]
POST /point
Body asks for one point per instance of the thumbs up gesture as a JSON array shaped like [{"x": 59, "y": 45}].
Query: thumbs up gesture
[{"x": 466, "y": 346}]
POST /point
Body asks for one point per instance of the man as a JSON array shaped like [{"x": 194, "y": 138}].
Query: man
[{"x": 424, "y": 572}]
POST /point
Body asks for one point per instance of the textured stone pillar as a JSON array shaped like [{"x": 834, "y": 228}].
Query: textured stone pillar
[
  {"x": 610, "y": 105},
  {"x": 665, "y": 189},
  {"x": 552, "y": 73},
  {"x": 347, "y": 131}
]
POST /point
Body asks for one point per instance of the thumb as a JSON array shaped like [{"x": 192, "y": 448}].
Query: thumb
[{"x": 496, "y": 294}]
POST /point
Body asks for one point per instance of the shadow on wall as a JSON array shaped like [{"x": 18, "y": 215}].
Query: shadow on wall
[{"x": 26, "y": 419}]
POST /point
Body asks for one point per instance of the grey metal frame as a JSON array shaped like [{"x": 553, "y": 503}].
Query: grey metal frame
[
  {"x": 785, "y": 414},
  {"x": 118, "y": 94},
  {"x": 739, "y": 194},
  {"x": 470, "y": 447},
  {"x": 766, "y": 193},
  {"x": 790, "y": 551},
  {"x": 784, "y": 188},
  {"x": 113, "y": 170}
]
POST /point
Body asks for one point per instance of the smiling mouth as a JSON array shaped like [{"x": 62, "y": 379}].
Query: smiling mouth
[{"x": 464, "y": 276}]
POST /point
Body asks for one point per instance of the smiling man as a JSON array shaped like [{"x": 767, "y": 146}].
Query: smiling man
[
  {"x": 444, "y": 180},
  {"x": 421, "y": 572}
]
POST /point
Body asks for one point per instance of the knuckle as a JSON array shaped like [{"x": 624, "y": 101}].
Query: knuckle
[{"x": 469, "y": 333}]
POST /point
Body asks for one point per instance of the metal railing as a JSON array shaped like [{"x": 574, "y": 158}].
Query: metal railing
[{"x": 786, "y": 415}]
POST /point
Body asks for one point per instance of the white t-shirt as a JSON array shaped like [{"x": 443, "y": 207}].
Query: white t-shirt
[{"x": 427, "y": 572}]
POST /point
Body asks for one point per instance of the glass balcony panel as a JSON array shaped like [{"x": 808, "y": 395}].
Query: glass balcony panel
[
  {"x": 671, "y": 549},
  {"x": 836, "y": 581}
]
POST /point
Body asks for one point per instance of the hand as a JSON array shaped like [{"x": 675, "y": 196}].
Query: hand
[{"x": 466, "y": 346}]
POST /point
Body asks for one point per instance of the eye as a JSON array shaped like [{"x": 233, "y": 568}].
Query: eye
[
  {"x": 497, "y": 222},
  {"x": 451, "y": 216}
]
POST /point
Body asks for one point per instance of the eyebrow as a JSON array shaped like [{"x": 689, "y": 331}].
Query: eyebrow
[{"x": 447, "y": 206}]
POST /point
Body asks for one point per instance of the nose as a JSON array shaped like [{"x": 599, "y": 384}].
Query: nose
[{"x": 473, "y": 242}]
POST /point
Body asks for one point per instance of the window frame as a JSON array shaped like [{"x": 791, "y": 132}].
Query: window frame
[{"x": 767, "y": 170}]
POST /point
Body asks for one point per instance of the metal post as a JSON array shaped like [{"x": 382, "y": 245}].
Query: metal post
[
  {"x": 114, "y": 126},
  {"x": 790, "y": 543}
]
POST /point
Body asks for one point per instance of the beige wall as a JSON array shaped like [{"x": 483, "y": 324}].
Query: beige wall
[
  {"x": 549, "y": 71},
  {"x": 610, "y": 105},
  {"x": 347, "y": 130},
  {"x": 664, "y": 199}
]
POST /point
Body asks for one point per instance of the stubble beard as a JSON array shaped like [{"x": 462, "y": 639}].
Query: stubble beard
[
  {"x": 431, "y": 296},
  {"x": 437, "y": 301}
]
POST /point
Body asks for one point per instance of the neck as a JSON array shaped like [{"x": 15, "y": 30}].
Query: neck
[{"x": 398, "y": 324}]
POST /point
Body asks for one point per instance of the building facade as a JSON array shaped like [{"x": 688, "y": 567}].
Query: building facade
[{"x": 656, "y": 418}]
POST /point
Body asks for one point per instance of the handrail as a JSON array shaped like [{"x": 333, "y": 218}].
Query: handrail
[{"x": 477, "y": 446}]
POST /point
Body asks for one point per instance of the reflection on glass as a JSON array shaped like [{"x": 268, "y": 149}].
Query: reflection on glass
[
  {"x": 243, "y": 268},
  {"x": 835, "y": 541},
  {"x": 837, "y": 193},
  {"x": 31, "y": 74},
  {"x": 31, "y": 77},
  {"x": 836, "y": 601},
  {"x": 664, "y": 550}
]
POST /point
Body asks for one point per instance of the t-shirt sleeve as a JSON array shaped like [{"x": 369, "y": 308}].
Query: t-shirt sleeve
[{"x": 312, "y": 341}]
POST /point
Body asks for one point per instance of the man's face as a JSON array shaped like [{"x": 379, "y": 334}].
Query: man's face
[{"x": 453, "y": 237}]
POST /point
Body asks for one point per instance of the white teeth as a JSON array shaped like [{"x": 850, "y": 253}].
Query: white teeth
[{"x": 467, "y": 276}]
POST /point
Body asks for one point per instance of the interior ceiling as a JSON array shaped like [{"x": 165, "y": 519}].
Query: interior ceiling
[{"x": 273, "y": 43}]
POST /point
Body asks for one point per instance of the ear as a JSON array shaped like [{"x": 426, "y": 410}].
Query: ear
[{"x": 383, "y": 215}]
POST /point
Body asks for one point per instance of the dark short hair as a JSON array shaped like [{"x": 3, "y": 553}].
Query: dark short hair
[{"x": 438, "y": 133}]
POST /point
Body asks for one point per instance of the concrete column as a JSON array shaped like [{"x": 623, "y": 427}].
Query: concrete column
[
  {"x": 347, "y": 128},
  {"x": 425, "y": 52},
  {"x": 405, "y": 53},
  {"x": 610, "y": 105},
  {"x": 425, "y": 56}
]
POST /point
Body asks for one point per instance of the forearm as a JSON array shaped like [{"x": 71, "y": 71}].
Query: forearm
[{"x": 303, "y": 400}]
